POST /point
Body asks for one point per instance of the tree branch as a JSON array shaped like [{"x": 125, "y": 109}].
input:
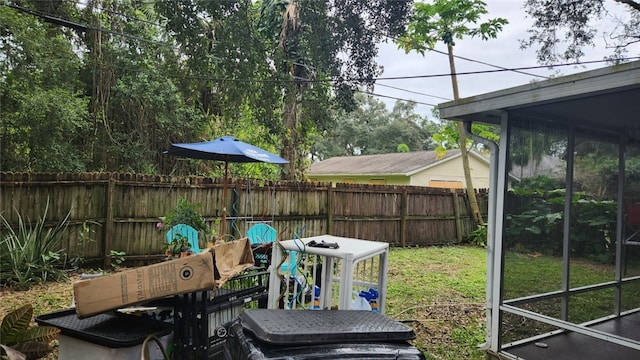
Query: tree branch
[{"x": 632, "y": 3}]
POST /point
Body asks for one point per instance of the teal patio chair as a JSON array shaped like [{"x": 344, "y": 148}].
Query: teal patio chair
[
  {"x": 260, "y": 234},
  {"x": 188, "y": 232}
]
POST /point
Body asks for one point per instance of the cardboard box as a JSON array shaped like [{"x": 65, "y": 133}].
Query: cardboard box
[
  {"x": 179, "y": 276},
  {"x": 173, "y": 277}
]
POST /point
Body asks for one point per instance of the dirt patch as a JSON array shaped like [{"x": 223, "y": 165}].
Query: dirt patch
[{"x": 434, "y": 324}]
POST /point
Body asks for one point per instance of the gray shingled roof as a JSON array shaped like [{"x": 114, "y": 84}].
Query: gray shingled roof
[{"x": 380, "y": 164}]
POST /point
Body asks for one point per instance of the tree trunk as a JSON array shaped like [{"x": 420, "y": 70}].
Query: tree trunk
[
  {"x": 462, "y": 138},
  {"x": 289, "y": 139}
]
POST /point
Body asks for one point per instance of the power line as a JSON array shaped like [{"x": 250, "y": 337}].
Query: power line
[
  {"x": 86, "y": 27},
  {"x": 396, "y": 98},
  {"x": 492, "y": 65},
  {"x": 81, "y": 27},
  {"x": 504, "y": 69},
  {"x": 426, "y": 76},
  {"x": 413, "y": 92},
  {"x": 422, "y": 47}
]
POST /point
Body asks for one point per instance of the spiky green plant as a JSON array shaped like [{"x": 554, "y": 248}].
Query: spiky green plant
[
  {"x": 30, "y": 253},
  {"x": 17, "y": 334}
]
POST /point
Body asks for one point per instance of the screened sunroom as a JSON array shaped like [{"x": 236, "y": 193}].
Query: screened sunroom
[{"x": 563, "y": 264}]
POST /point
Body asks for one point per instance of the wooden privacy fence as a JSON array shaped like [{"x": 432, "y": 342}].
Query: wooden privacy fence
[{"x": 120, "y": 212}]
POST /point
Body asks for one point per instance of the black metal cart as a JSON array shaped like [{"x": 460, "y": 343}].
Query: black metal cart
[{"x": 199, "y": 321}]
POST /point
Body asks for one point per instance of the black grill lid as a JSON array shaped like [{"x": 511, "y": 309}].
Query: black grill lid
[
  {"x": 108, "y": 329},
  {"x": 290, "y": 327}
]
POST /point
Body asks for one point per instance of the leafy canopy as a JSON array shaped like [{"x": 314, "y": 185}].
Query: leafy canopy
[
  {"x": 446, "y": 21},
  {"x": 562, "y": 28}
]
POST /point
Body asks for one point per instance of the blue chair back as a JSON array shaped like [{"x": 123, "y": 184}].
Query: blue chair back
[
  {"x": 188, "y": 232},
  {"x": 260, "y": 234}
]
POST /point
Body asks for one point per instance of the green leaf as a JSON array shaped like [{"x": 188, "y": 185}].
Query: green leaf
[
  {"x": 14, "y": 324},
  {"x": 534, "y": 229},
  {"x": 34, "y": 349},
  {"x": 43, "y": 334}
]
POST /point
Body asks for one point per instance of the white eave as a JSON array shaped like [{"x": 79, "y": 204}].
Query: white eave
[{"x": 603, "y": 98}]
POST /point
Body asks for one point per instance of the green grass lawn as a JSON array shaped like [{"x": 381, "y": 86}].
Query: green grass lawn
[{"x": 440, "y": 291}]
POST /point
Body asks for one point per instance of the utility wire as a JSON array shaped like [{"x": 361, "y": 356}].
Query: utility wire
[
  {"x": 85, "y": 27},
  {"x": 81, "y": 27},
  {"x": 426, "y": 76},
  {"x": 492, "y": 65},
  {"x": 395, "y": 98},
  {"x": 505, "y": 69},
  {"x": 411, "y": 91},
  {"x": 423, "y": 48}
]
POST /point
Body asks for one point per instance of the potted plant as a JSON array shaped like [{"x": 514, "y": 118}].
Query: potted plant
[
  {"x": 186, "y": 213},
  {"x": 179, "y": 247}
]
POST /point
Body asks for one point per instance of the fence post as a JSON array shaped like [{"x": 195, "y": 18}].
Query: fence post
[
  {"x": 108, "y": 226},
  {"x": 403, "y": 217},
  {"x": 456, "y": 212},
  {"x": 330, "y": 195}
]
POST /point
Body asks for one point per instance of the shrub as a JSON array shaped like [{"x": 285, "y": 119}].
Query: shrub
[
  {"x": 30, "y": 253},
  {"x": 536, "y": 220},
  {"x": 478, "y": 236},
  {"x": 186, "y": 213}
]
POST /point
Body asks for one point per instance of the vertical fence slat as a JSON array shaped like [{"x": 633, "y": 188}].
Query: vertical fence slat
[
  {"x": 330, "y": 208},
  {"x": 403, "y": 219},
  {"x": 108, "y": 227},
  {"x": 456, "y": 212}
]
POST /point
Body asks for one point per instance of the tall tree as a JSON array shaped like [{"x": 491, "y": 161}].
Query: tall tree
[
  {"x": 320, "y": 42},
  {"x": 446, "y": 21},
  {"x": 562, "y": 28},
  {"x": 373, "y": 129},
  {"x": 351, "y": 133},
  {"x": 136, "y": 108},
  {"x": 143, "y": 74},
  {"x": 43, "y": 108}
]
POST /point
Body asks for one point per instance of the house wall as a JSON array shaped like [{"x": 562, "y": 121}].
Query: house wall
[{"x": 452, "y": 171}]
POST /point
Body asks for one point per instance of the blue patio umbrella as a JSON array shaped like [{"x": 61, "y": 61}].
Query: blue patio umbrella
[{"x": 227, "y": 149}]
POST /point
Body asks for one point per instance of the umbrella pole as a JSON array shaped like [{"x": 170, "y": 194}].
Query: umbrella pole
[{"x": 224, "y": 202}]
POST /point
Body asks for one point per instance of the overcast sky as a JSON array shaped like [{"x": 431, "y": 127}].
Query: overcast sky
[{"x": 504, "y": 51}]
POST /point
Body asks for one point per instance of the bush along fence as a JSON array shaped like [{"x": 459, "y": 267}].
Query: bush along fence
[
  {"x": 113, "y": 216},
  {"x": 534, "y": 222}
]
